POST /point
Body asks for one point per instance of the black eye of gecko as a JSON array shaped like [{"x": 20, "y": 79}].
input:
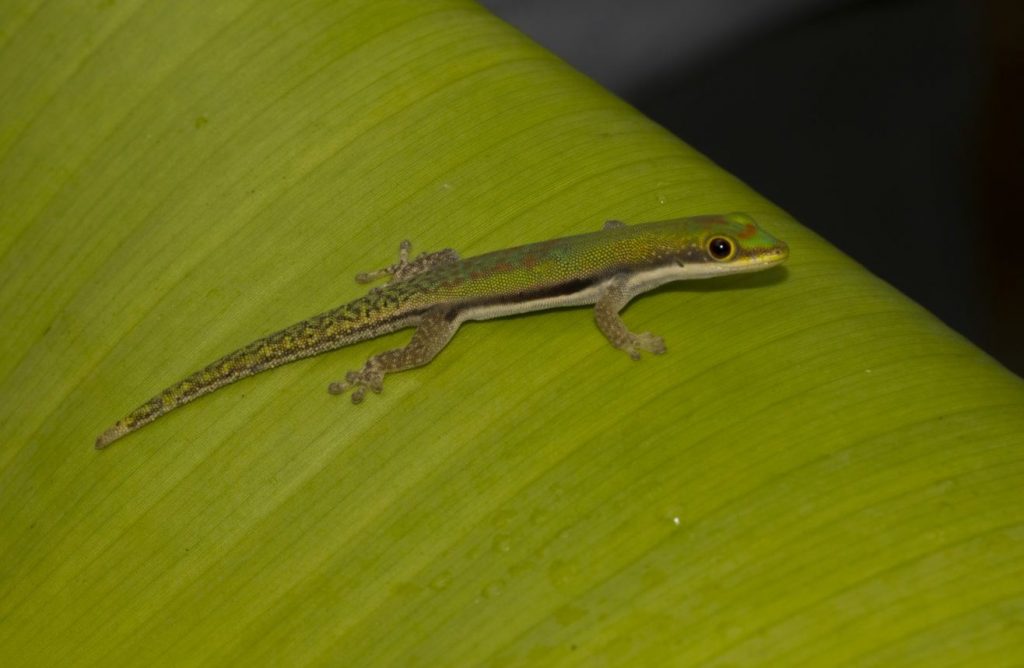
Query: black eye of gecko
[{"x": 720, "y": 248}]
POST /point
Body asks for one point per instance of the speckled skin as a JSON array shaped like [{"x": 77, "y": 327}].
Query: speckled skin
[{"x": 436, "y": 292}]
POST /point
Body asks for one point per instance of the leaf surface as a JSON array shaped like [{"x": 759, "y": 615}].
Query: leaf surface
[{"x": 818, "y": 473}]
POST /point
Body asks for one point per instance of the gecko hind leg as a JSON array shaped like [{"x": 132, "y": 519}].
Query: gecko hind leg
[
  {"x": 431, "y": 336},
  {"x": 405, "y": 267},
  {"x": 606, "y": 314}
]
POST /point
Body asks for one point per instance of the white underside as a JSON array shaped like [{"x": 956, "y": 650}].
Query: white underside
[
  {"x": 587, "y": 296},
  {"x": 637, "y": 283}
]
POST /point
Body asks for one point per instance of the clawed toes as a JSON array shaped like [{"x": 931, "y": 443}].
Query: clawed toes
[
  {"x": 646, "y": 342},
  {"x": 651, "y": 343},
  {"x": 359, "y": 382}
]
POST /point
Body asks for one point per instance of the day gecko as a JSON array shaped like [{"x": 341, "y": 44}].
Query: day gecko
[{"x": 436, "y": 292}]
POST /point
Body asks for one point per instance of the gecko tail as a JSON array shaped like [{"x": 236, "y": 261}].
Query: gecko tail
[
  {"x": 354, "y": 322},
  {"x": 111, "y": 435},
  {"x": 250, "y": 360}
]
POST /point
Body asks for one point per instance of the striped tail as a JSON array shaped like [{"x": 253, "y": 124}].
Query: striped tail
[{"x": 365, "y": 318}]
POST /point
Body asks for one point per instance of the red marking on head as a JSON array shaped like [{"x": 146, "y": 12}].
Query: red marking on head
[
  {"x": 529, "y": 261},
  {"x": 749, "y": 230}
]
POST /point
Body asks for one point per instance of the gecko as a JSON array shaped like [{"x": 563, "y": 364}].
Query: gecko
[{"x": 436, "y": 292}]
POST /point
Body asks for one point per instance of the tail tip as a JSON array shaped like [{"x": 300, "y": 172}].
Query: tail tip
[{"x": 109, "y": 436}]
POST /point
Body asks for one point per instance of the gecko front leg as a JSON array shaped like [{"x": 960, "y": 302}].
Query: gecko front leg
[
  {"x": 606, "y": 314},
  {"x": 432, "y": 334},
  {"x": 405, "y": 267}
]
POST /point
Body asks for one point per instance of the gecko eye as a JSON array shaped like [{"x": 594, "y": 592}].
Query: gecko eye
[{"x": 721, "y": 248}]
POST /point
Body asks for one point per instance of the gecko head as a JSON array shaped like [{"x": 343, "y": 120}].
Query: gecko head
[{"x": 727, "y": 244}]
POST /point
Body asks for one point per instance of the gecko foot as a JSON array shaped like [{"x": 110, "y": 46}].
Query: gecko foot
[
  {"x": 406, "y": 267},
  {"x": 370, "y": 378},
  {"x": 645, "y": 341}
]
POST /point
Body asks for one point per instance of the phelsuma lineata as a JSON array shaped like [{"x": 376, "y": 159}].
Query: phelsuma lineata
[{"x": 436, "y": 292}]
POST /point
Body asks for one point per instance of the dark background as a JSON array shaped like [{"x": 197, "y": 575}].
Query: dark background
[{"x": 895, "y": 129}]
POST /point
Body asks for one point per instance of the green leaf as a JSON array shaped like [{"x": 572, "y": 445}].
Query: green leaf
[{"x": 817, "y": 473}]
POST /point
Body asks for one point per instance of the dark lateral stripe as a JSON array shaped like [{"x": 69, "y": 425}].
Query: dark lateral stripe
[{"x": 563, "y": 289}]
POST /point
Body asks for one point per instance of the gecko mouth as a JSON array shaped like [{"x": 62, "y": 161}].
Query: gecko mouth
[{"x": 775, "y": 255}]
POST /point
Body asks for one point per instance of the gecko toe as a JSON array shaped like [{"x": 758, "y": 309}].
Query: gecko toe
[
  {"x": 645, "y": 342},
  {"x": 651, "y": 343},
  {"x": 359, "y": 382}
]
